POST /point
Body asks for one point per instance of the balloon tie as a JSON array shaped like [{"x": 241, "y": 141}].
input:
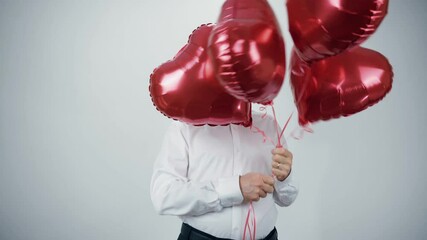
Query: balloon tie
[
  {"x": 264, "y": 111},
  {"x": 301, "y": 131}
]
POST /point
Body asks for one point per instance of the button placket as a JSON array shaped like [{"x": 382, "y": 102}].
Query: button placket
[{"x": 237, "y": 166}]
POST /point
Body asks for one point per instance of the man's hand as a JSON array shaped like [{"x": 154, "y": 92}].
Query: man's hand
[
  {"x": 282, "y": 163},
  {"x": 255, "y": 186}
]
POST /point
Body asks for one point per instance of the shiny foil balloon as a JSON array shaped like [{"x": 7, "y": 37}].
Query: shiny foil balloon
[
  {"x": 323, "y": 28},
  {"x": 186, "y": 89},
  {"x": 341, "y": 85},
  {"x": 248, "y": 50}
]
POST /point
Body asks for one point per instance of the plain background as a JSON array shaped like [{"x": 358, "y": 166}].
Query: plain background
[{"x": 79, "y": 134}]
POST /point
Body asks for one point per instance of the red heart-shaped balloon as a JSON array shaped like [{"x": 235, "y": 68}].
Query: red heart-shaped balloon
[
  {"x": 341, "y": 85},
  {"x": 186, "y": 89},
  {"x": 248, "y": 50},
  {"x": 322, "y": 28}
]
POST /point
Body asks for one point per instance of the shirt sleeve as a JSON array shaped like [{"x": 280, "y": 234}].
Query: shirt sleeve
[
  {"x": 172, "y": 193},
  {"x": 285, "y": 192}
]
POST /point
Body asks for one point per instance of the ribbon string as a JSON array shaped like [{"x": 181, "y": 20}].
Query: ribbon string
[
  {"x": 306, "y": 128},
  {"x": 251, "y": 212}
]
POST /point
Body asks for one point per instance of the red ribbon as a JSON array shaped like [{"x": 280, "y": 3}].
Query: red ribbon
[{"x": 252, "y": 234}]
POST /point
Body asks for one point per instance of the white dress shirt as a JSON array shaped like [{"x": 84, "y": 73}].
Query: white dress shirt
[{"x": 196, "y": 177}]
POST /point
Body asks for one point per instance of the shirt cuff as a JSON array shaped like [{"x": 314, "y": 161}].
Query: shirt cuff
[
  {"x": 228, "y": 190},
  {"x": 280, "y": 184}
]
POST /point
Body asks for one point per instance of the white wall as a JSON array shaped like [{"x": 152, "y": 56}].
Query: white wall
[{"x": 79, "y": 134}]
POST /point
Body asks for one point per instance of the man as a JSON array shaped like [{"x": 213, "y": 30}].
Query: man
[{"x": 209, "y": 175}]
